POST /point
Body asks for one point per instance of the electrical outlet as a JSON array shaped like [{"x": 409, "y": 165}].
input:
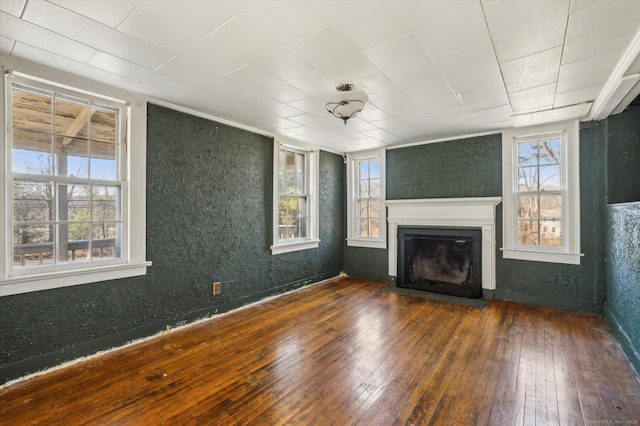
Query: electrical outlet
[{"x": 216, "y": 288}]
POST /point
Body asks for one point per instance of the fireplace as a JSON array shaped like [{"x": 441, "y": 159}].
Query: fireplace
[
  {"x": 459, "y": 213},
  {"x": 441, "y": 260}
]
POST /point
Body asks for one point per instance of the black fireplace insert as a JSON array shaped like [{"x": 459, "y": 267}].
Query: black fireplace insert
[{"x": 441, "y": 260}]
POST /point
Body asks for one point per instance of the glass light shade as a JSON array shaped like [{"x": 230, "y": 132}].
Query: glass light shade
[{"x": 346, "y": 103}]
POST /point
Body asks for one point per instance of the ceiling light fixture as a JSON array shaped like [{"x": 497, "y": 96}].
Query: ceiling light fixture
[{"x": 347, "y": 103}]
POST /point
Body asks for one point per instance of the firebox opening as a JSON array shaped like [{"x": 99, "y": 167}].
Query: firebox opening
[{"x": 441, "y": 260}]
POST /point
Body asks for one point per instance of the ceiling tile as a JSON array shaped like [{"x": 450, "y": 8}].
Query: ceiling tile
[
  {"x": 484, "y": 97},
  {"x": 551, "y": 115},
  {"x": 587, "y": 72},
  {"x": 600, "y": 29},
  {"x": 280, "y": 63},
  {"x": 587, "y": 94},
  {"x": 372, "y": 113},
  {"x": 329, "y": 53},
  {"x": 522, "y": 28},
  {"x": 445, "y": 26},
  {"x": 383, "y": 23},
  {"x": 434, "y": 96},
  {"x": 470, "y": 68},
  {"x": 136, "y": 72},
  {"x": 6, "y": 45},
  {"x": 534, "y": 99},
  {"x": 316, "y": 122},
  {"x": 494, "y": 115},
  {"x": 383, "y": 136},
  {"x": 255, "y": 79},
  {"x": 312, "y": 106},
  {"x": 580, "y": 5},
  {"x": 12, "y": 7},
  {"x": 33, "y": 35},
  {"x": 94, "y": 34},
  {"x": 70, "y": 66},
  {"x": 405, "y": 62},
  {"x": 261, "y": 102},
  {"x": 384, "y": 94},
  {"x": 314, "y": 84},
  {"x": 531, "y": 71},
  {"x": 110, "y": 13}
]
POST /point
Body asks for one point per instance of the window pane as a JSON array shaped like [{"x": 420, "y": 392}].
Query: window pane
[
  {"x": 363, "y": 208},
  {"x": 363, "y": 226},
  {"x": 33, "y": 245},
  {"x": 374, "y": 169},
  {"x": 300, "y": 184},
  {"x": 302, "y": 230},
  {"x": 31, "y": 153},
  {"x": 104, "y": 240},
  {"x": 71, "y": 117},
  {"x": 374, "y": 208},
  {"x": 76, "y": 246},
  {"x": 527, "y": 207},
  {"x": 105, "y": 201},
  {"x": 363, "y": 170},
  {"x": 374, "y": 227},
  {"x": 281, "y": 182},
  {"x": 528, "y": 232},
  {"x": 550, "y": 178},
  {"x": 290, "y": 183},
  {"x": 281, "y": 159},
  {"x": 290, "y": 161},
  {"x": 550, "y": 152},
  {"x": 527, "y": 154},
  {"x": 364, "y": 189},
  {"x": 103, "y": 161},
  {"x": 31, "y": 109},
  {"x": 282, "y": 210},
  {"x": 32, "y": 202},
  {"x": 77, "y": 203},
  {"x": 71, "y": 157},
  {"x": 527, "y": 179},
  {"x": 550, "y": 206},
  {"x": 103, "y": 124},
  {"x": 299, "y": 163},
  {"x": 374, "y": 188},
  {"x": 551, "y": 233}
]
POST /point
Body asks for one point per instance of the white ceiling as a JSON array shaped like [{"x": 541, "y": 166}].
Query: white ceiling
[{"x": 432, "y": 69}]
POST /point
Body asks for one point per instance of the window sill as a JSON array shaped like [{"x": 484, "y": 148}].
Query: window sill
[
  {"x": 50, "y": 280},
  {"x": 294, "y": 246},
  {"x": 379, "y": 244},
  {"x": 540, "y": 256}
]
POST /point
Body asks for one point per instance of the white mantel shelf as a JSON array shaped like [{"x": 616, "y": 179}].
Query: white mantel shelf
[{"x": 471, "y": 212}]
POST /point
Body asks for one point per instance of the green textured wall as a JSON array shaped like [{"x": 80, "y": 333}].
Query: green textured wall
[
  {"x": 623, "y": 157},
  {"x": 473, "y": 168},
  {"x": 622, "y": 308},
  {"x": 208, "y": 218}
]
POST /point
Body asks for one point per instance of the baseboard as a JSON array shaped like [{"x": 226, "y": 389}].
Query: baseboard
[
  {"x": 40, "y": 364},
  {"x": 632, "y": 352}
]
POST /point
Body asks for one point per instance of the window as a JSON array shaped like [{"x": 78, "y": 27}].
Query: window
[
  {"x": 366, "y": 194},
  {"x": 541, "y": 193},
  {"x": 295, "y": 201},
  {"x": 68, "y": 195}
]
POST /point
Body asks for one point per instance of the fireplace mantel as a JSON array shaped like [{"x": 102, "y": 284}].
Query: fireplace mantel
[{"x": 472, "y": 212}]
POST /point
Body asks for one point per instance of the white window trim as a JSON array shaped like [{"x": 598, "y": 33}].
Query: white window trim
[
  {"x": 570, "y": 252},
  {"x": 313, "y": 238},
  {"x": 133, "y": 262},
  {"x": 353, "y": 239}
]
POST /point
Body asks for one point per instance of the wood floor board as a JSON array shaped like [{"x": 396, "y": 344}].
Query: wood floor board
[{"x": 347, "y": 352}]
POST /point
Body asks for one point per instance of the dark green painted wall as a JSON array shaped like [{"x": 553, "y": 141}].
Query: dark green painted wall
[
  {"x": 622, "y": 242},
  {"x": 623, "y": 157},
  {"x": 208, "y": 218},
  {"x": 473, "y": 168}
]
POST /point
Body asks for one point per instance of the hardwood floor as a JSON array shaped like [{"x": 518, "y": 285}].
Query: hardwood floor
[{"x": 348, "y": 352}]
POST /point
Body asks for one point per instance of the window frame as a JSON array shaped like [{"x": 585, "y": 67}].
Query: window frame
[
  {"x": 569, "y": 253},
  {"x": 353, "y": 179},
  {"x": 132, "y": 165},
  {"x": 311, "y": 166}
]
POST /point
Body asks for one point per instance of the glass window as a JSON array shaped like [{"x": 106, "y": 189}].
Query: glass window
[
  {"x": 295, "y": 199},
  {"x": 366, "y": 212},
  {"x": 67, "y": 188},
  {"x": 541, "y": 193}
]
